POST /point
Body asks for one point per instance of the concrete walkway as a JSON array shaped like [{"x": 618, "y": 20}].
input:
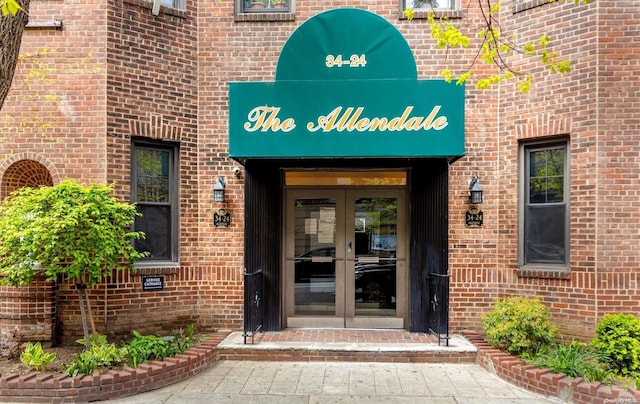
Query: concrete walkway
[{"x": 340, "y": 382}]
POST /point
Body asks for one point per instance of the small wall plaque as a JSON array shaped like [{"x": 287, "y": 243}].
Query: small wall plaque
[
  {"x": 222, "y": 218},
  {"x": 473, "y": 217},
  {"x": 152, "y": 283}
]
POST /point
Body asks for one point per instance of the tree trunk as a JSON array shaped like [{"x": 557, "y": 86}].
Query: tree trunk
[
  {"x": 11, "y": 29},
  {"x": 87, "y": 314}
]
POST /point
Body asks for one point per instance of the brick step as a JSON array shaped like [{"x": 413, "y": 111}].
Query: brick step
[
  {"x": 344, "y": 356},
  {"x": 233, "y": 348}
]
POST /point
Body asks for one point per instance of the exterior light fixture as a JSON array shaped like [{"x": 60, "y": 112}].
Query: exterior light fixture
[
  {"x": 218, "y": 190},
  {"x": 475, "y": 191}
]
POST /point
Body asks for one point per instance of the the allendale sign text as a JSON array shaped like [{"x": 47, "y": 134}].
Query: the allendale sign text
[
  {"x": 366, "y": 118},
  {"x": 348, "y": 119}
]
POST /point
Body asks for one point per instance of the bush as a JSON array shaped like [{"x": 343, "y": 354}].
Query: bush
[
  {"x": 618, "y": 339},
  {"x": 519, "y": 325},
  {"x": 574, "y": 360}
]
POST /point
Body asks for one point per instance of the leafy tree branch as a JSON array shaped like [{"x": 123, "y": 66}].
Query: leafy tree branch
[{"x": 495, "y": 47}]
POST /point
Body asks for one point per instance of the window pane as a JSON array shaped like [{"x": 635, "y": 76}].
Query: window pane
[
  {"x": 155, "y": 222},
  {"x": 315, "y": 266},
  {"x": 266, "y": 5},
  {"x": 376, "y": 229},
  {"x": 545, "y": 234},
  {"x": 152, "y": 175},
  {"x": 430, "y": 4},
  {"x": 546, "y": 176}
]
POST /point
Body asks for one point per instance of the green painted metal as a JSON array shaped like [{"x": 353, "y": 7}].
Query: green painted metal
[
  {"x": 382, "y": 118},
  {"x": 346, "y": 86},
  {"x": 352, "y": 35}
]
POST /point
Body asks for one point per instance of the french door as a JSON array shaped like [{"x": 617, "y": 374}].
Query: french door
[{"x": 345, "y": 258}]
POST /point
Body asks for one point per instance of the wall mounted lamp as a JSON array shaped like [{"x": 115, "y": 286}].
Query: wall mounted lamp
[
  {"x": 218, "y": 190},
  {"x": 475, "y": 191}
]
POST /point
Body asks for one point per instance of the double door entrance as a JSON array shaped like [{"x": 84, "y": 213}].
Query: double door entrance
[{"x": 345, "y": 257}]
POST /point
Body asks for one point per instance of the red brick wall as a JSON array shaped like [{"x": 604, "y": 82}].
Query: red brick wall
[
  {"x": 54, "y": 116},
  {"x": 55, "y": 111},
  {"x": 27, "y": 312},
  {"x": 152, "y": 90},
  {"x": 596, "y": 107},
  {"x": 166, "y": 77},
  {"x": 617, "y": 228}
]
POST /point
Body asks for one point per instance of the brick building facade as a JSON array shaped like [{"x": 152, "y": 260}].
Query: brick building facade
[{"x": 104, "y": 81}]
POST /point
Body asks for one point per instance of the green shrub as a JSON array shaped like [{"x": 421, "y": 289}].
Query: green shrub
[
  {"x": 574, "y": 360},
  {"x": 145, "y": 347},
  {"x": 149, "y": 347},
  {"x": 518, "y": 325},
  {"x": 618, "y": 339},
  {"x": 100, "y": 355},
  {"x": 34, "y": 357}
]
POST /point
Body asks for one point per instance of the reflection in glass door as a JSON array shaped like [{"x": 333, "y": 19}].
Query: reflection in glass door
[
  {"x": 315, "y": 251},
  {"x": 375, "y": 240},
  {"x": 344, "y": 258}
]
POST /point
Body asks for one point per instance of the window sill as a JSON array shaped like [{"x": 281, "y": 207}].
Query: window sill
[
  {"x": 544, "y": 273},
  {"x": 424, "y": 14},
  {"x": 519, "y": 6},
  {"x": 56, "y": 24},
  {"x": 156, "y": 268},
  {"x": 265, "y": 16}
]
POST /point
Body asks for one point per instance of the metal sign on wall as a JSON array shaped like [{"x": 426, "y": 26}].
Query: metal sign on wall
[
  {"x": 222, "y": 218},
  {"x": 474, "y": 217},
  {"x": 152, "y": 283},
  {"x": 346, "y": 86}
]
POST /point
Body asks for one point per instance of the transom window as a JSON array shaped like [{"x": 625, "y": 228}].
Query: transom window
[
  {"x": 154, "y": 189},
  {"x": 545, "y": 221}
]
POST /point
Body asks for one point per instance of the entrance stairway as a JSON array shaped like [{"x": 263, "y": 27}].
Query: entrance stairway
[{"x": 354, "y": 345}]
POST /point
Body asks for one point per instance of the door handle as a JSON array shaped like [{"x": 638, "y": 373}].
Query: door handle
[{"x": 349, "y": 247}]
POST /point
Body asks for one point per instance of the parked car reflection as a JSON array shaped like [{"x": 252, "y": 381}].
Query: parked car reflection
[
  {"x": 316, "y": 264},
  {"x": 374, "y": 281}
]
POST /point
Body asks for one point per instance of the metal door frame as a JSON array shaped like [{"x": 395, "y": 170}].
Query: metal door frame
[{"x": 345, "y": 287}]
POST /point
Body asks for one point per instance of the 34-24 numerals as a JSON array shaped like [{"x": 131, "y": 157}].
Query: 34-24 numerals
[{"x": 353, "y": 61}]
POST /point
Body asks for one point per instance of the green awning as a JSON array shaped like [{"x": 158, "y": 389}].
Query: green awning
[{"x": 346, "y": 86}]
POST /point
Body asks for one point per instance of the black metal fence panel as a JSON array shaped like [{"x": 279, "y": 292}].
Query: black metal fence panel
[
  {"x": 439, "y": 306},
  {"x": 253, "y": 303}
]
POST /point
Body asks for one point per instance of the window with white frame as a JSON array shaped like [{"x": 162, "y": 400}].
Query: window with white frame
[
  {"x": 545, "y": 211},
  {"x": 154, "y": 189},
  {"x": 174, "y": 4},
  {"x": 432, "y": 5},
  {"x": 266, "y": 6}
]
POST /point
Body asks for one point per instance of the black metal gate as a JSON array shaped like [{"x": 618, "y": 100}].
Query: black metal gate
[
  {"x": 438, "y": 311},
  {"x": 253, "y": 311}
]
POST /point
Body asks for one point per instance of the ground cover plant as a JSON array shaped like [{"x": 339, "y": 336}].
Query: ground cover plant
[
  {"x": 141, "y": 348},
  {"x": 103, "y": 355},
  {"x": 35, "y": 358}
]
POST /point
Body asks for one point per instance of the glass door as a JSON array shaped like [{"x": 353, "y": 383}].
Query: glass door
[{"x": 345, "y": 259}]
